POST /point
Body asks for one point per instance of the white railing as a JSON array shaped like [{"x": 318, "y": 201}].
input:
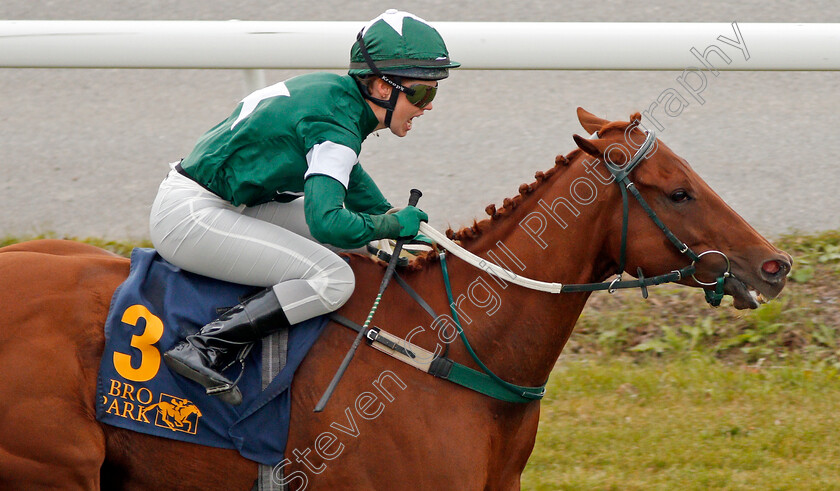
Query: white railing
[{"x": 477, "y": 45}]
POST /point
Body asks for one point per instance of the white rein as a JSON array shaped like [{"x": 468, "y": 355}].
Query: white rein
[{"x": 442, "y": 240}]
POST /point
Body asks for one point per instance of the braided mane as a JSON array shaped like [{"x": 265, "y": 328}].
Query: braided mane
[{"x": 561, "y": 162}]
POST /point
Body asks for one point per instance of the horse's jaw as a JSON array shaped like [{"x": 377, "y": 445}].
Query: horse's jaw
[
  {"x": 745, "y": 296},
  {"x": 749, "y": 295}
]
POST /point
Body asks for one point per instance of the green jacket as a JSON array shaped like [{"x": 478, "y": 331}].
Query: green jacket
[{"x": 301, "y": 136}]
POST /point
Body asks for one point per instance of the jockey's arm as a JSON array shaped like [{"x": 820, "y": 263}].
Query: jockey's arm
[
  {"x": 330, "y": 222},
  {"x": 363, "y": 195}
]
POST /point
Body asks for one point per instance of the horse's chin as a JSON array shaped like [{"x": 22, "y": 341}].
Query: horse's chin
[{"x": 746, "y": 297}]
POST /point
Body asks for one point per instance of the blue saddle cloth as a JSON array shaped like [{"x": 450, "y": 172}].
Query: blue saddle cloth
[{"x": 154, "y": 309}]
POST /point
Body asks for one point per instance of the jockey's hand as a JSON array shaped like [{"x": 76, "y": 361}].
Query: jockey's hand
[{"x": 409, "y": 219}]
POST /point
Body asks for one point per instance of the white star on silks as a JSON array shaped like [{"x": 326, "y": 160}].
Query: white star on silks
[
  {"x": 394, "y": 18},
  {"x": 249, "y": 103}
]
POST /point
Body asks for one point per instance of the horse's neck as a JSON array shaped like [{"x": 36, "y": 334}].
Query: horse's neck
[{"x": 519, "y": 333}]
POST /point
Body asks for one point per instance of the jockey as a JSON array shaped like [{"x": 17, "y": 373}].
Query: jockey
[{"x": 230, "y": 209}]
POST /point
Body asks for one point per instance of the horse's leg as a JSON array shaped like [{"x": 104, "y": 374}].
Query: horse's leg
[{"x": 51, "y": 340}]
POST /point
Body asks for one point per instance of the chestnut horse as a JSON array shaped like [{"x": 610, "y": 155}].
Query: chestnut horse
[{"x": 388, "y": 425}]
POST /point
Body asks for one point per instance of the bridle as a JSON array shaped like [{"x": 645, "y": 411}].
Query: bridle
[{"x": 622, "y": 179}]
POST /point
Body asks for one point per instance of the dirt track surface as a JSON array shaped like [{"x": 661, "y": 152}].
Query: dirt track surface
[{"x": 83, "y": 151}]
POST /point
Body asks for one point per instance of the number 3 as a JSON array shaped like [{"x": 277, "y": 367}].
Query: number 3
[{"x": 149, "y": 355}]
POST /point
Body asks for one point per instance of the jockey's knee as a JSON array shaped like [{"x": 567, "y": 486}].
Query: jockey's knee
[{"x": 335, "y": 284}]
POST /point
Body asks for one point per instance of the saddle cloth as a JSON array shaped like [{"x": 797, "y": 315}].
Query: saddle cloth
[{"x": 155, "y": 308}]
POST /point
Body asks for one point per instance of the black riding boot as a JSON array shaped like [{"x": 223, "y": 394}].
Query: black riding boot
[{"x": 204, "y": 355}]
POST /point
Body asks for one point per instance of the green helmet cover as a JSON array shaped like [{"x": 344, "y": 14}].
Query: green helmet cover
[{"x": 402, "y": 44}]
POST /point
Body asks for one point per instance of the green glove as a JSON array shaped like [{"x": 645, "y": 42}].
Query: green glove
[{"x": 409, "y": 219}]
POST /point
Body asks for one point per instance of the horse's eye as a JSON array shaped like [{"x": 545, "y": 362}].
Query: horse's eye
[{"x": 680, "y": 195}]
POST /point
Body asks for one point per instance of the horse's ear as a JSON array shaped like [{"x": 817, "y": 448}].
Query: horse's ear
[
  {"x": 595, "y": 148},
  {"x": 589, "y": 121}
]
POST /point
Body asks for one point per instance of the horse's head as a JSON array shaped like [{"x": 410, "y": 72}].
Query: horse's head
[{"x": 686, "y": 205}]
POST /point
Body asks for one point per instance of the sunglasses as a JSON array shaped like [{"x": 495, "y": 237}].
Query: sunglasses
[{"x": 420, "y": 94}]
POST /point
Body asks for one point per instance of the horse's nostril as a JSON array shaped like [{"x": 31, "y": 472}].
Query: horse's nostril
[
  {"x": 775, "y": 269},
  {"x": 771, "y": 267}
]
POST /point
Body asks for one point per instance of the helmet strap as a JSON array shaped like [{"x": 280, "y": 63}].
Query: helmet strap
[
  {"x": 393, "y": 81},
  {"x": 390, "y": 104}
]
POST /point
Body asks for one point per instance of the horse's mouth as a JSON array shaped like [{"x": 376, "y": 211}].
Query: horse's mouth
[{"x": 746, "y": 296}]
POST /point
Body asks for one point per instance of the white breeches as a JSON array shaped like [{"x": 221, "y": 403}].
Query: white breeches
[{"x": 265, "y": 245}]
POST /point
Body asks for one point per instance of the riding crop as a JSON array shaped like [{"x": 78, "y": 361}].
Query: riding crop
[{"x": 389, "y": 272}]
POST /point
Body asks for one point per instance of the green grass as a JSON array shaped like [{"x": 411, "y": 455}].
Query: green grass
[
  {"x": 690, "y": 422},
  {"x": 801, "y": 324}
]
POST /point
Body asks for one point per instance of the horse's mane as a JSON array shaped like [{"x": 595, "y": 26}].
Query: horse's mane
[
  {"x": 561, "y": 163},
  {"x": 472, "y": 232}
]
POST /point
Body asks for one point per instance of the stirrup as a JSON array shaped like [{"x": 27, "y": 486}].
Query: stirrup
[{"x": 230, "y": 393}]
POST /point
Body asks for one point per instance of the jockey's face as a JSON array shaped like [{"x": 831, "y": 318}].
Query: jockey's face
[{"x": 405, "y": 112}]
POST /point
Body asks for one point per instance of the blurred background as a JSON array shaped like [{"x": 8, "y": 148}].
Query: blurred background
[{"x": 82, "y": 151}]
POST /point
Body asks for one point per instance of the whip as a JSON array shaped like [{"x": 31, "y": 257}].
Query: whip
[{"x": 389, "y": 272}]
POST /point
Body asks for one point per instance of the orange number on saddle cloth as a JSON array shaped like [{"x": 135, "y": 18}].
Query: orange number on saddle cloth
[{"x": 149, "y": 355}]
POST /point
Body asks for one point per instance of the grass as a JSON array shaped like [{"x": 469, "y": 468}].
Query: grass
[
  {"x": 670, "y": 393},
  {"x": 691, "y": 422}
]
